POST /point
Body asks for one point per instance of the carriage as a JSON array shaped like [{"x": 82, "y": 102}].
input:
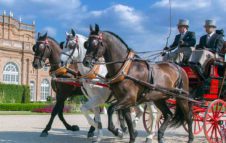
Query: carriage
[{"x": 209, "y": 115}]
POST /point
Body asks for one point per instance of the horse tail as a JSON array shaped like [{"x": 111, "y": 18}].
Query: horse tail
[{"x": 179, "y": 116}]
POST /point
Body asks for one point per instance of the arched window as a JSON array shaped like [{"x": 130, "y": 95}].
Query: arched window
[
  {"x": 32, "y": 90},
  {"x": 11, "y": 73},
  {"x": 45, "y": 89}
]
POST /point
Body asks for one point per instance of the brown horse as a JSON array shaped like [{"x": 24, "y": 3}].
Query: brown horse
[
  {"x": 47, "y": 48},
  {"x": 129, "y": 92}
]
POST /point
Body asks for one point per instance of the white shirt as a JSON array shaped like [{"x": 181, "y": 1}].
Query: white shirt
[
  {"x": 182, "y": 35},
  {"x": 209, "y": 36}
]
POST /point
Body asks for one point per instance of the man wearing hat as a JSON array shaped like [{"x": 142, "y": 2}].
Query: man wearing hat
[
  {"x": 184, "y": 42},
  {"x": 210, "y": 46},
  {"x": 213, "y": 41}
]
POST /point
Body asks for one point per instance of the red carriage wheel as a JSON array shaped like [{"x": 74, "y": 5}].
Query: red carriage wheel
[
  {"x": 197, "y": 124},
  {"x": 147, "y": 118},
  {"x": 214, "y": 121}
]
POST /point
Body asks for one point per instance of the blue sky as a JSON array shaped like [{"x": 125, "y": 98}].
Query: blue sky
[{"x": 143, "y": 24}]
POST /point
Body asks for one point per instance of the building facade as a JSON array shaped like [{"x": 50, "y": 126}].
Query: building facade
[{"x": 16, "y": 56}]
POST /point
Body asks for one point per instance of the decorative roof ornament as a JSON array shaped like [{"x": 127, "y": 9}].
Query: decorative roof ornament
[
  {"x": 4, "y": 12},
  {"x": 10, "y": 13},
  {"x": 20, "y": 19},
  {"x": 33, "y": 22}
]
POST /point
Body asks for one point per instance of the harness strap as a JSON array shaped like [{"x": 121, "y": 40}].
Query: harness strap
[
  {"x": 179, "y": 82},
  {"x": 92, "y": 73},
  {"x": 123, "y": 71},
  {"x": 59, "y": 71}
]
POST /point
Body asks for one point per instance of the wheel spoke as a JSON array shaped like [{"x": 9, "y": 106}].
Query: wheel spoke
[
  {"x": 219, "y": 111},
  {"x": 212, "y": 110},
  {"x": 221, "y": 115},
  {"x": 211, "y": 117},
  {"x": 219, "y": 132},
  {"x": 210, "y": 128},
  {"x": 211, "y": 135}
]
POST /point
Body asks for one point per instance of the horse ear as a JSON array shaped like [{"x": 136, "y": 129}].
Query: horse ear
[
  {"x": 62, "y": 45},
  {"x": 97, "y": 28},
  {"x": 91, "y": 28},
  {"x": 45, "y": 36},
  {"x": 39, "y": 34},
  {"x": 73, "y": 32}
]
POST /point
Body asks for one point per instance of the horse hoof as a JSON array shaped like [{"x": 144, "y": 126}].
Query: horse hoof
[
  {"x": 132, "y": 141},
  {"x": 90, "y": 135},
  {"x": 148, "y": 140},
  {"x": 160, "y": 141},
  {"x": 120, "y": 133},
  {"x": 75, "y": 128},
  {"x": 125, "y": 130},
  {"x": 44, "y": 134}
]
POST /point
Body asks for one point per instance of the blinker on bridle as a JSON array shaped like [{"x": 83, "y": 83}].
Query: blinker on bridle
[
  {"x": 98, "y": 37},
  {"x": 75, "y": 40},
  {"x": 46, "y": 44}
]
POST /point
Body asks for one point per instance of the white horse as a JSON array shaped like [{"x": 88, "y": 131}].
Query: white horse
[{"x": 97, "y": 95}]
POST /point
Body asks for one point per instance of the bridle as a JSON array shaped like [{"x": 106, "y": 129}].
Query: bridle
[
  {"x": 122, "y": 73},
  {"x": 73, "y": 49},
  {"x": 99, "y": 39},
  {"x": 46, "y": 46}
]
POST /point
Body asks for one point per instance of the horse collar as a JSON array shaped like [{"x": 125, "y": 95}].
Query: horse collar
[{"x": 120, "y": 76}]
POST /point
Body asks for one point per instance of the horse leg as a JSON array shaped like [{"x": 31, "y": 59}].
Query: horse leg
[
  {"x": 186, "y": 108},
  {"x": 60, "y": 115},
  {"x": 53, "y": 114},
  {"x": 85, "y": 110},
  {"x": 122, "y": 121},
  {"x": 129, "y": 122},
  {"x": 91, "y": 131},
  {"x": 124, "y": 105},
  {"x": 111, "y": 126},
  {"x": 161, "y": 104},
  {"x": 92, "y": 104},
  {"x": 154, "y": 111},
  {"x": 98, "y": 121},
  {"x": 139, "y": 114}
]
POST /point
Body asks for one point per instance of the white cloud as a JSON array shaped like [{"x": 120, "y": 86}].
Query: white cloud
[
  {"x": 123, "y": 14},
  {"x": 50, "y": 30},
  {"x": 184, "y": 5}
]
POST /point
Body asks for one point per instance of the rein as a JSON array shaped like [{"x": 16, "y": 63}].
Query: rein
[{"x": 70, "y": 55}]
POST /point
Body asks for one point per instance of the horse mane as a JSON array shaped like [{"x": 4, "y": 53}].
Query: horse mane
[
  {"x": 51, "y": 38},
  {"x": 120, "y": 39}
]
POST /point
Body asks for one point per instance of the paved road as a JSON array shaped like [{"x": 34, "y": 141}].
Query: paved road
[{"x": 27, "y": 128}]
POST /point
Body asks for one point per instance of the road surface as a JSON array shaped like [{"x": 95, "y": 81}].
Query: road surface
[{"x": 27, "y": 128}]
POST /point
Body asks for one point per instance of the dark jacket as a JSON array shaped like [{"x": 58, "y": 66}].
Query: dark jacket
[
  {"x": 215, "y": 43},
  {"x": 189, "y": 40}
]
